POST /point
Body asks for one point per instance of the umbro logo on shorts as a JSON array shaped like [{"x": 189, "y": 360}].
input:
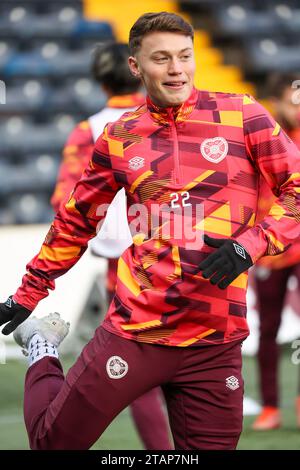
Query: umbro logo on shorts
[
  {"x": 116, "y": 367},
  {"x": 215, "y": 149},
  {"x": 136, "y": 163},
  {"x": 232, "y": 382},
  {"x": 239, "y": 250}
]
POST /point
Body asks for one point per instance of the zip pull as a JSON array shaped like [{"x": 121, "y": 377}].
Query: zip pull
[{"x": 177, "y": 172}]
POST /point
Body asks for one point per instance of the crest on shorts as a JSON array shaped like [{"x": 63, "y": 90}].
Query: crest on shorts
[
  {"x": 116, "y": 367},
  {"x": 214, "y": 149},
  {"x": 136, "y": 163}
]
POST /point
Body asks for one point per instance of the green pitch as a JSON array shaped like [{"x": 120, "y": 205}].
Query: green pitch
[{"x": 121, "y": 433}]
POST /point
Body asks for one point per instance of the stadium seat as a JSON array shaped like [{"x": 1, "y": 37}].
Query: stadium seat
[
  {"x": 50, "y": 60},
  {"x": 26, "y": 98},
  {"x": 87, "y": 95},
  {"x": 238, "y": 20},
  {"x": 18, "y": 133},
  {"x": 30, "y": 208},
  {"x": 30, "y": 64},
  {"x": 23, "y": 23},
  {"x": 267, "y": 55},
  {"x": 96, "y": 30},
  {"x": 7, "y": 51},
  {"x": 14, "y": 19},
  {"x": 26, "y": 177}
]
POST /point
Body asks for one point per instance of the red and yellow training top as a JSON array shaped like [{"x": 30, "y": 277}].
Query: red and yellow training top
[
  {"x": 210, "y": 152},
  {"x": 80, "y": 145},
  {"x": 266, "y": 199}
]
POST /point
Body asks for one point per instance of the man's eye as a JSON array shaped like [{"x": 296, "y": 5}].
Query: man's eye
[
  {"x": 161, "y": 59},
  {"x": 186, "y": 57}
]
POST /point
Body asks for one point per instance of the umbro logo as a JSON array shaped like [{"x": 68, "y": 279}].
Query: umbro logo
[
  {"x": 136, "y": 163},
  {"x": 239, "y": 250},
  {"x": 116, "y": 367},
  {"x": 232, "y": 382},
  {"x": 10, "y": 302}
]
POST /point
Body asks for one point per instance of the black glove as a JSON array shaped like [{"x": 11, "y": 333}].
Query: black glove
[
  {"x": 225, "y": 264},
  {"x": 13, "y": 313}
]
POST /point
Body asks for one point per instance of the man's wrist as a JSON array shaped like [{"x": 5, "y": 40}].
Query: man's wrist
[{"x": 254, "y": 242}]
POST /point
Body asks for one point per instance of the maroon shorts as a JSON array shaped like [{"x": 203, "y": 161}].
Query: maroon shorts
[{"x": 203, "y": 388}]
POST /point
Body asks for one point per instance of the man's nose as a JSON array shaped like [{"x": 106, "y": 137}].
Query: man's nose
[{"x": 175, "y": 67}]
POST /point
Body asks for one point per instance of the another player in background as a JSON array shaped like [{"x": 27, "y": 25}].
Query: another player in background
[
  {"x": 110, "y": 69},
  {"x": 273, "y": 272},
  {"x": 178, "y": 317}
]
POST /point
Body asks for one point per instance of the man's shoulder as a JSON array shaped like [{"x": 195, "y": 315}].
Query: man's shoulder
[
  {"x": 226, "y": 97},
  {"x": 137, "y": 114}
]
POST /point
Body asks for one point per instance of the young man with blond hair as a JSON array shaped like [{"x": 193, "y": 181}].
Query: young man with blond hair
[{"x": 178, "y": 318}]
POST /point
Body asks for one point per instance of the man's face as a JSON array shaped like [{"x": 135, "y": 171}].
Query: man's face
[
  {"x": 165, "y": 63},
  {"x": 287, "y": 112}
]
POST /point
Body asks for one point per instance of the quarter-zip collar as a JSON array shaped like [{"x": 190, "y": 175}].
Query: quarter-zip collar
[{"x": 179, "y": 113}]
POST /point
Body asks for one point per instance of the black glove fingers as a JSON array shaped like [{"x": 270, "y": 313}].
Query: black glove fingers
[
  {"x": 9, "y": 328},
  {"x": 13, "y": 314},
  {"x": 226, "y": 263},
  {"x": 227, "y": 280},
  {"x": 217, "y": 277},
  {"x": 208, "y": 261},
  {"x": 215, "y": 267},
  {"x": 5, "y": 314},
  {"x": 12, "y": 325}
]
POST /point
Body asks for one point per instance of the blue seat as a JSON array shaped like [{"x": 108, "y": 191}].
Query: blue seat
[
  {"x": 30, "y": 208},
  {"x": 15, "y": 19},
  {"x": 88, "y": 96},
  {"x": 22, "y": 135},
  {"x": 267, "y": 55},
  {"x": 28, "y": 64},
  {"x": 239, "y": 20},
  {"x": 61, "y": 100},
  {"x": 7, "y": 52},
  {"x": 29, "y": 97},
  {"x": 99, "y": 30},
  {"x": 69, "y": 63}
]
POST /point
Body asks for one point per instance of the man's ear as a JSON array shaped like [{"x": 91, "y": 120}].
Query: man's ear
[{"x": 134, "y": 67}]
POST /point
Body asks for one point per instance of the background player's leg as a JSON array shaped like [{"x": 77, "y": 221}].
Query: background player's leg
[
  {"x": 151, "y": 421},
  {"x": 270, "y": 295},
  {"x": 205, "y": 400}
]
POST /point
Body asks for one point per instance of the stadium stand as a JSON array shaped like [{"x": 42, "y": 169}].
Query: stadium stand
[{"x": 45, "y": 51}]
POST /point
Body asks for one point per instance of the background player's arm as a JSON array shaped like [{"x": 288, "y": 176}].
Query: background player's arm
[
  {"x": 278, "y": 160},
  {"x": 76, "y": 155},
  {"x": 74, "y": 225}
]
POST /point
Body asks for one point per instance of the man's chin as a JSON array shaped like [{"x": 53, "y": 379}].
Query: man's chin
[{"x": 176, "y": 99}]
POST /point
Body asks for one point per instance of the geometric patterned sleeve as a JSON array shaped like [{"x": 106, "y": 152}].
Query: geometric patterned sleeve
[
  {"x": 73, "y": 226},
  {"x": 277, "y": 159}
]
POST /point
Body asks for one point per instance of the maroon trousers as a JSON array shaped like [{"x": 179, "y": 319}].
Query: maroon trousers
[
  {"x": 271, "y": 291},
  {"x": 203, "y": 389}
]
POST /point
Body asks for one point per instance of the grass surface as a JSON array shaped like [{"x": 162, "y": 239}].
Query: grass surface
[{"x": 121, "y": 433}]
